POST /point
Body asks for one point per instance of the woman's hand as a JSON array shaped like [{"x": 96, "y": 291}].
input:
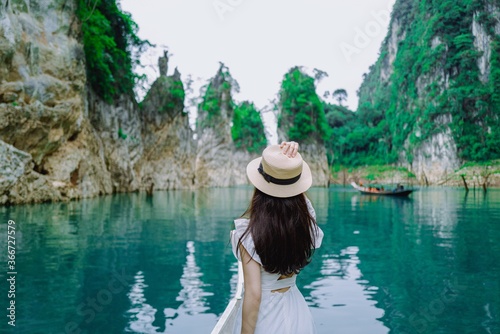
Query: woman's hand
[{"x": 289, "y": 148}]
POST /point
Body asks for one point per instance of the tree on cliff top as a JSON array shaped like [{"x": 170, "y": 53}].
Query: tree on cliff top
[
  {"x": 340, "y": 95},
  {"x": 217, "y": 106},
  {"x": 112, "y": 47},
  {"x": 248, "y": 130},
  {"x": 302, "y": 117}
]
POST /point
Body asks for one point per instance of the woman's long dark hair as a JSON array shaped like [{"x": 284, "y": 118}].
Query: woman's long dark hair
[{"x": 282, "y": 230}]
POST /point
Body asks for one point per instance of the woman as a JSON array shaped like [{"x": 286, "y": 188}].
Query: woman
[{"x": 274, "y": 240}]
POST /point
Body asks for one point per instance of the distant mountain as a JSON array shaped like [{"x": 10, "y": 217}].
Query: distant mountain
[{"x": 433, "y": 96}]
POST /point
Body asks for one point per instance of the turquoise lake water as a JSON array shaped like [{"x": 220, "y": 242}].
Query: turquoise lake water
[{"x": 134, "y": 264}]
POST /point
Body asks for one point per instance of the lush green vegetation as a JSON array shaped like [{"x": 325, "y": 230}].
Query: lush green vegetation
[
  {"x": 351, "y": 142},
  {"x": 302, "y": 115},
  {"x": 176, "y": 93},
  {"x": 166, "y": 96},
  {"x": 435, "y": 84},
  {"x": 248, "y": 130},
  {"x": 112, "y": 47},
  {"x": 217, "y": 94}
]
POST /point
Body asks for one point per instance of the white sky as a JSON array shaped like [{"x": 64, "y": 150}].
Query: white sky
[{"x": 259, "y": 41}]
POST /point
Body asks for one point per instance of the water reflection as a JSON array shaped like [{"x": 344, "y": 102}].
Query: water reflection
[
  {"x": 141, "y": 314},
  {"x": 192, "y": 293},
  {"x": 163, "y": 264},
  {"x": 341, "y": 293},
  {"x": 192, "y": 297}
]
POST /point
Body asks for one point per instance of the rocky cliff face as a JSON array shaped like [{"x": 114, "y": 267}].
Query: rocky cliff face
[
  {"x": 58, "y": 140},
  {"x": 118, "y": 128},
  {"x": 431, "y": 83},
  {"x": 219, "y": 163},
  {"x": 214, "y": 159},
  {"x": 315, "y": 156},
  {"x": 43, "y": 113},
  {"x": 170, "y": 150}
]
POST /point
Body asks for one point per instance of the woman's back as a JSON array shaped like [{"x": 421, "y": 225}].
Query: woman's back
[
  {"x": 274, "y": 242},
  {"x": 283, "y": 308}
]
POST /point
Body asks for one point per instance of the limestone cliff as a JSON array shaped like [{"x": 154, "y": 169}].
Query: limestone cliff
[
  {"x": 43, "y": 111},
  {"x": 432, "y": 94},
  {"x": 214, "y": 160},
  {"x": 169, "y": 155},
  {"x": 58, "y": 139},
  {"x": 315, "y": 156}
]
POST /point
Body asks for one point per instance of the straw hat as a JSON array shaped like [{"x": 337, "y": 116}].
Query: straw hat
[{"x": 278, "y": 175}]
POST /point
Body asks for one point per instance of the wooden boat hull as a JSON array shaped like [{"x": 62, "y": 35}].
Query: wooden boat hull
[{"x": 395, "y": 192}]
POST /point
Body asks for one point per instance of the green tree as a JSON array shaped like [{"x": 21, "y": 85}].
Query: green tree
[
  {"x": 216, "y": 98},
  {"x": 302, "y": 116},
  {"x": 351, "y": 141},
  {"x": 340, "y": 95},
  {"x": 112, "y": 47},
  {"x": 319, "y": 75},
  {"x": 248, "y": 130}
]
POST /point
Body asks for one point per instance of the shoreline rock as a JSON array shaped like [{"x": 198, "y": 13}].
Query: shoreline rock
[{"x": 475, "y": 176}]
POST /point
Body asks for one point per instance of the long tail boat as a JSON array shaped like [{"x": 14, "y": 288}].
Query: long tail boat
[{"x": 398, "y": 191}]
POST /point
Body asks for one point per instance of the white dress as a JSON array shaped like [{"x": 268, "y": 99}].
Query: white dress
[{"x": 279, "y": 312}]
